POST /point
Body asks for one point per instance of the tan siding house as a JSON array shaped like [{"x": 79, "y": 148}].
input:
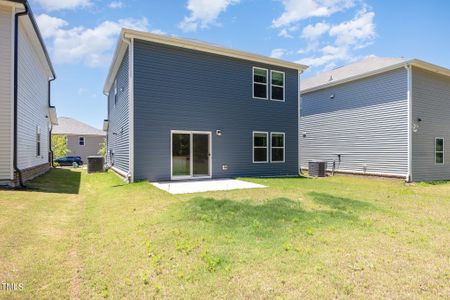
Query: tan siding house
[
  {"x": 82, "y": 140},
  {"x": 26, "y": 115}
]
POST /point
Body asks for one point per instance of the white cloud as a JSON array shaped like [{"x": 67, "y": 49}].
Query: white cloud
[
  {"x": 204, "y": 13},
  {"x": 49, "y": 25},
  {"x": 51, "y": 5},
  {"x": 115, "y": 4},
  {"x": 348, "y": 36},
  {"x": 312, "y": 32},
  {"x": 278, "y": 53},
  {"x": 357, "y": 31},
  {"x": 297, "y": 10},
  {"x": 91, "y": 46}
]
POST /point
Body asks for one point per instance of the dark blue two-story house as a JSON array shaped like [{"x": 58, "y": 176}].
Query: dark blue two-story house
[{"x": 183, "y": 109}]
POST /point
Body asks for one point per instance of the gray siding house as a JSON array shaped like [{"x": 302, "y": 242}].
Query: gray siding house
[
  {"x": 183, "y": 109},
  {"x": 379, "y": 116},
  {"x": 82, "y": 139},
  {"x": 26, "y": 114}
]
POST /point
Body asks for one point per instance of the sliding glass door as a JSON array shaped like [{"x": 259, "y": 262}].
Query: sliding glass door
[{"x": 191, "y": 154}]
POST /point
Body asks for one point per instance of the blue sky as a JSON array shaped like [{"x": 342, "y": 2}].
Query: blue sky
[{"x": 81, "y": 35}]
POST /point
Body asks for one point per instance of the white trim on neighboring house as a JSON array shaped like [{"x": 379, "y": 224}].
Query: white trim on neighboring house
[
  {"x": 284, "y": 147},
  {"x": 410, "y": 122},
  {"x": 13, "y": 12},
  {"x": 284, "y": 86},
  {"x": 254, "y": 147},
  {"x": 443, "y": 151},
  {"x": 130, "y": 43},
  {"x": 260, "y": 83},
  {"x": 191, "y": 146}
]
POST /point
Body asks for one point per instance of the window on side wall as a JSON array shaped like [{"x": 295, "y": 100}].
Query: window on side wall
[
  {"x": 277, "y": 80},
  {"x": 81, "y": 141},
  {"x": 260, "y": 147},
  {"x": 439, "y": 151},
  {"x": 38, "y": 141},
  {"x": 277, "y": 147},
  {"x": 260, "y": 83},
  {"x": 115, "y": 93}
]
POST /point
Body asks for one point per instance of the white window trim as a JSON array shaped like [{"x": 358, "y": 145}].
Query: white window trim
[
  {"x": 257, "y": 147},
  {"x": 443, "y": 151},
  {"x": 267, "y": 83},
  {"x": 280, "y": 86},
  {"x": 84, "y": 141},
  {"x": 284, "y": 147}
]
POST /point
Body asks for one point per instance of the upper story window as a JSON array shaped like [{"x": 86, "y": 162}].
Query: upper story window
[
  {"x": 115, "y": 92},
  {"x": 81, "y": 141},
  {"x": 277, "y": 85},
  {"x": 260, "y": 83},
  {"x": 439, "y": 151},
  {"x": 38, "y": 141},
  {"x": 260, "y": 147}
]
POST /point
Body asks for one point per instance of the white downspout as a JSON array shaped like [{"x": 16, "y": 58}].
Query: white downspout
[
  {"x": 410, "y": 125},
  {"x": 130, "y": 43}
]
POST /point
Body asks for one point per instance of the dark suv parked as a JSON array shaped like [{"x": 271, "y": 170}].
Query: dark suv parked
[{"x": 69, "y": 160}]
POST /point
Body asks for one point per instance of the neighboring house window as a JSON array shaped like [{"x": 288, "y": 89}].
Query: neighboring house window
[
  {"x": 81, "y": 141},
  {"x": 260, "y": 147},
  {"x": 38, "y": 141},
  {"x": 277, "y": 85},
  {"x": 115, "y": 92},
  {"x": 277, "y": 147},
  {"x": 439, "y": 151},
  {"x": 260, "y": 83}
]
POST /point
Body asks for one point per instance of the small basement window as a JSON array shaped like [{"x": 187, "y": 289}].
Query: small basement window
[
  {"x": 439, "y": 151},
  {"x": 260, "y": 147},
  {"x": 277, "y": 147},
  {"x": 277, "y": 86},
  {"x": 260, "y": 83},
  {"x": 38, "y": 141},
  {"x": 81, "y": 141}
]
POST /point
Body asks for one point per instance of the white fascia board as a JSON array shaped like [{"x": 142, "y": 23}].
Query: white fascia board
[{"x": 413, "y": 62}]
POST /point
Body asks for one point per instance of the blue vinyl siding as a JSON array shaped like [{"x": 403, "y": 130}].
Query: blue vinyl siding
[
  {"x": 181, "y": 89},
  {"x": 366, "y": 122},
  {"x": 118, "y": 139}
]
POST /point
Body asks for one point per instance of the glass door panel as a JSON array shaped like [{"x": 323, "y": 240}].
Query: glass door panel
[
  {"x": 200, "y": 154},
  {"x": 181, "y": 154}
]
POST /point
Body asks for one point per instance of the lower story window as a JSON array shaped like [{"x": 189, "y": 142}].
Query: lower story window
[
  {"x": 260, "y": 147},
  {"x": 81, "y": 141},
  {"x": 439, "y": 151},
  {"x": 277, "y": 147},
  {"x": 38, "y": 141}
]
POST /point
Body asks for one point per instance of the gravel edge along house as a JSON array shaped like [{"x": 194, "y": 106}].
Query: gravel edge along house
[
  {"x": 183, "y": 109},
  {"x": 26, "y": 114},
  {"x": 379, "y": 116}
]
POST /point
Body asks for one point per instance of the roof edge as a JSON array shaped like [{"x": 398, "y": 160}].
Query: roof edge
[
  {"x": 198, "y": 46},
  {"x": 413, "y": 62}
]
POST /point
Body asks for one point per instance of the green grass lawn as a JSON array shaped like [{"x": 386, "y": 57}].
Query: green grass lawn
[{"x": 73, "y": 235}]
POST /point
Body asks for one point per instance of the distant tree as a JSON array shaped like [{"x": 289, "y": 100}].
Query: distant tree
[
  {"x": 102, "y": 150},
  {"x": 59, "y": 146}
]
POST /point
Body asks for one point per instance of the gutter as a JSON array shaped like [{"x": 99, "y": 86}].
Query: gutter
[
  {"x": 16, "y": 90},
  {"x": 51, "y": 126}
]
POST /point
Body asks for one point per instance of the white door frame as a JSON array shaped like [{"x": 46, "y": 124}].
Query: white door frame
[{"x": 191, "y": 134}]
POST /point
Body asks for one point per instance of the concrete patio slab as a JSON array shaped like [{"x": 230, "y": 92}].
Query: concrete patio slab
[{"x": 188, "y": 187}]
